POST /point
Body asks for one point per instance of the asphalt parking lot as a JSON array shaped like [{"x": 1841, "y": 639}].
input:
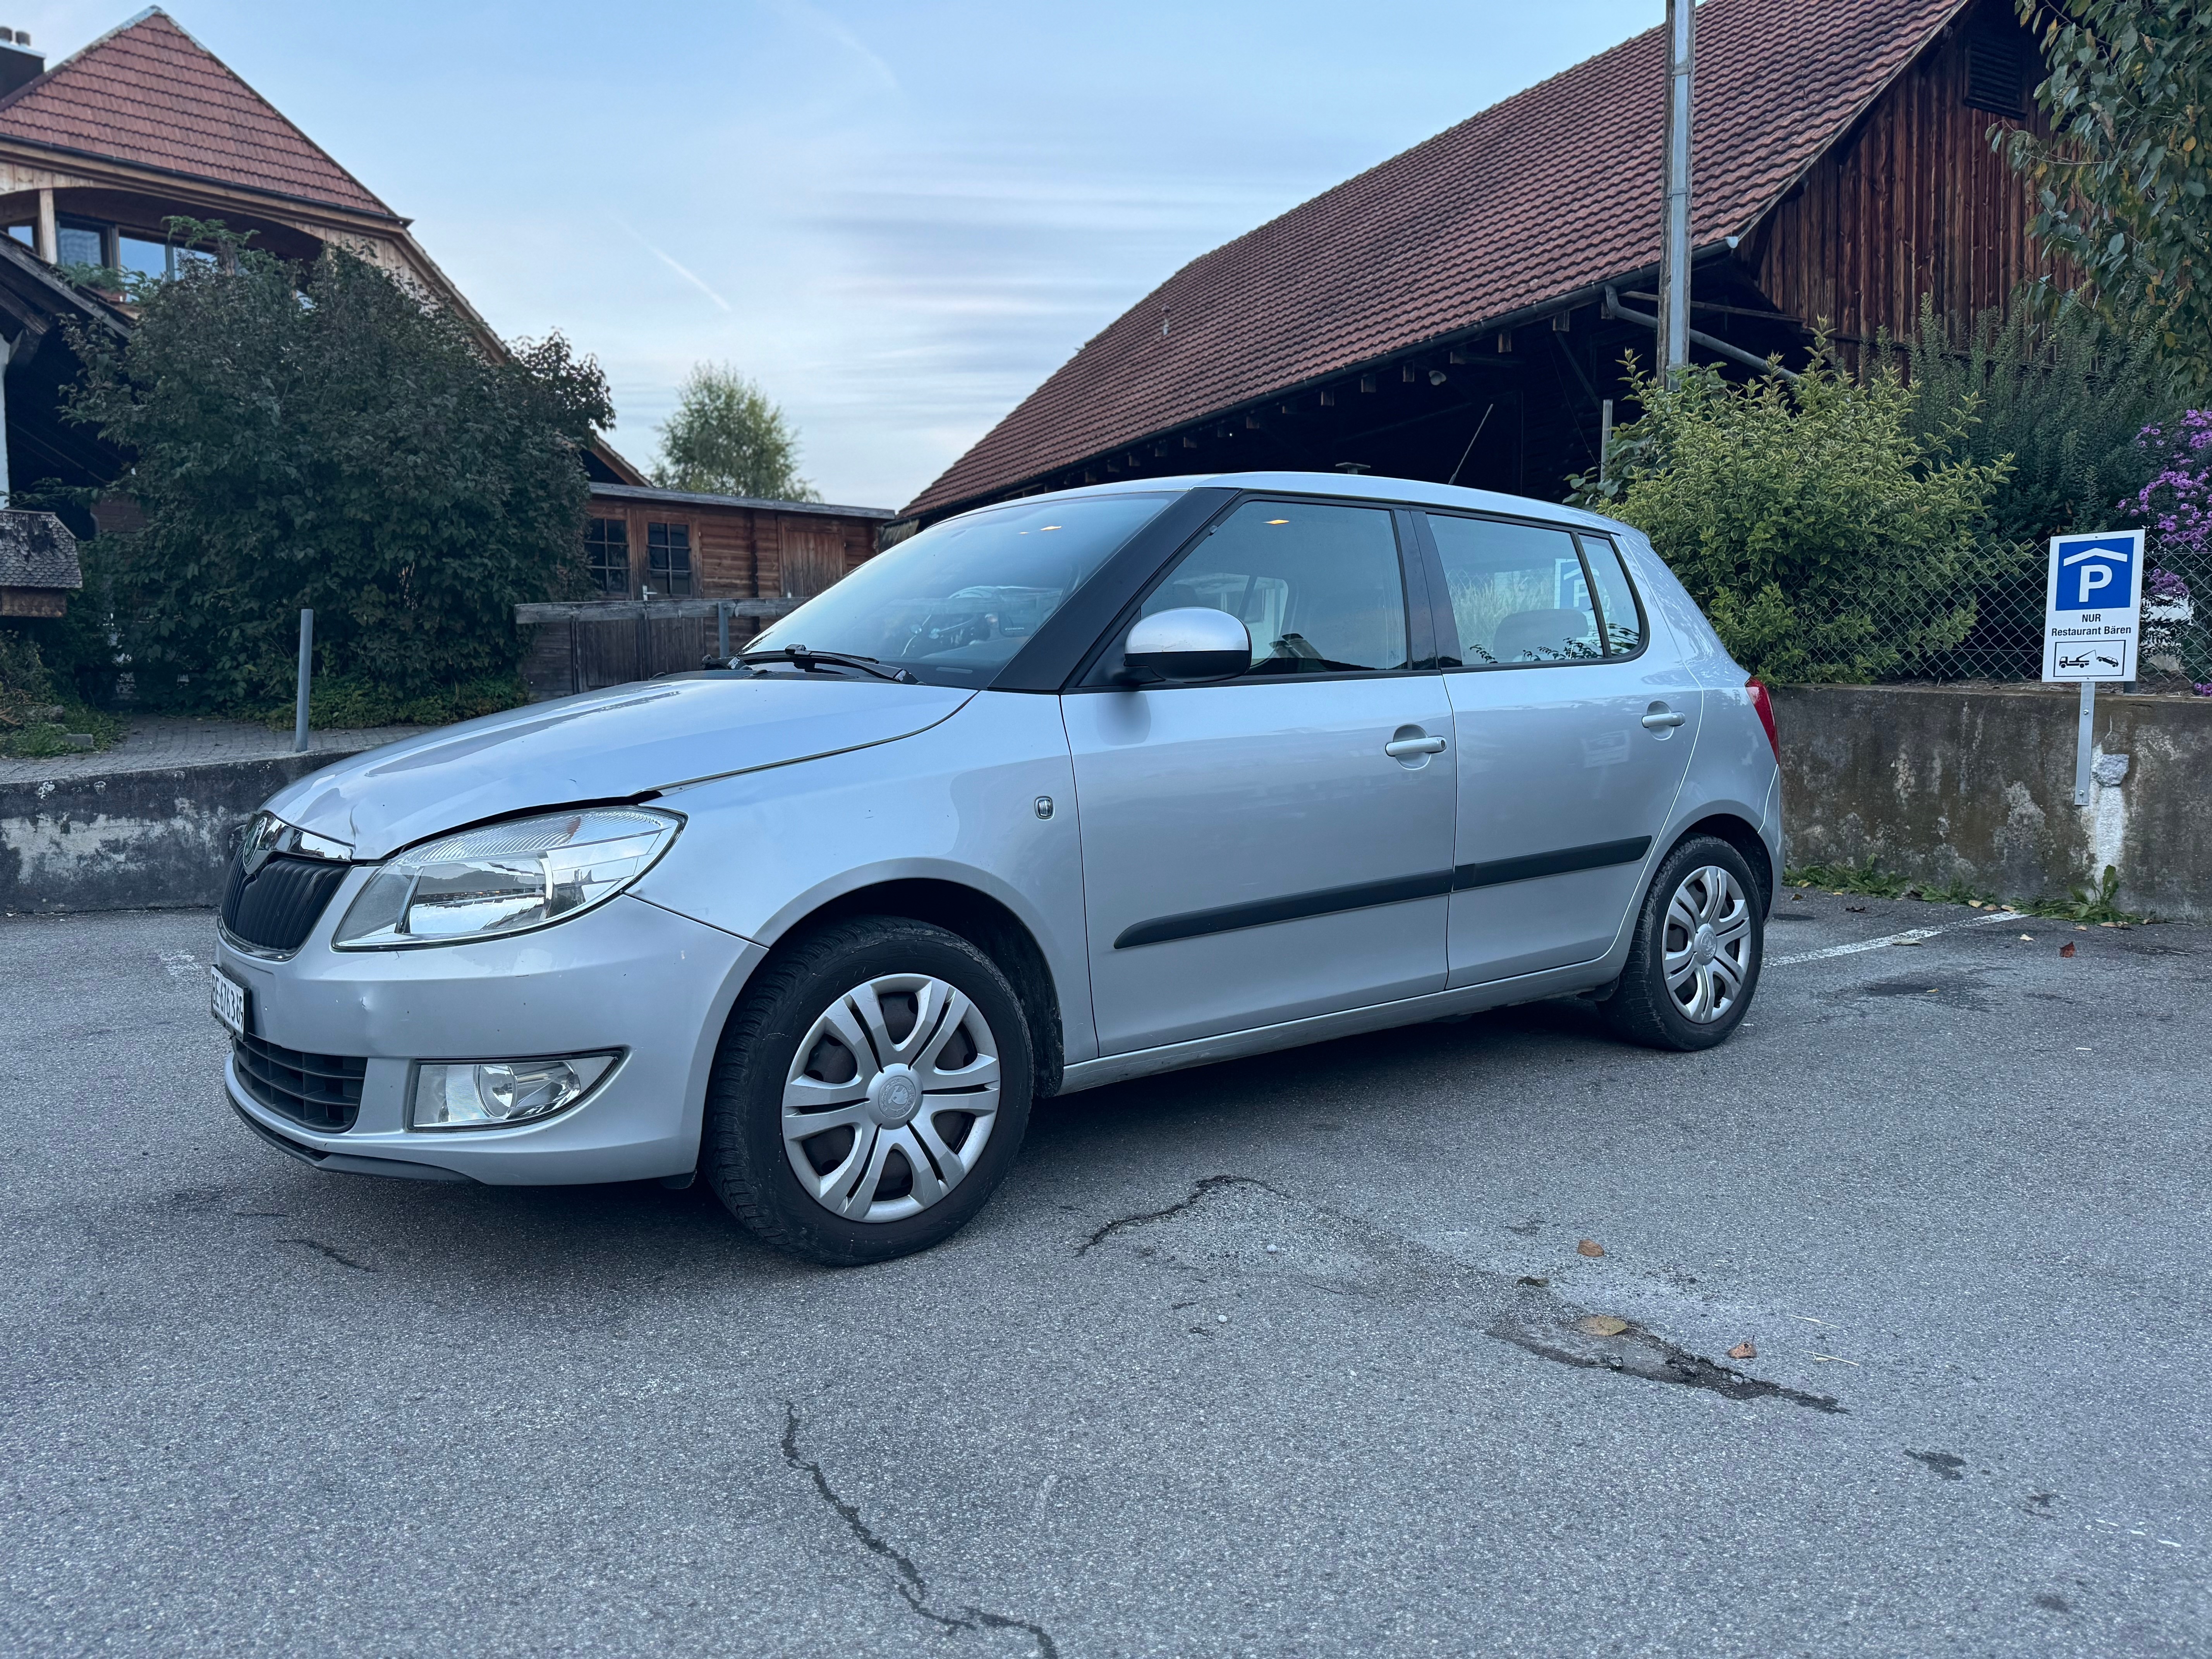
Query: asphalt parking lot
[{"x": 1286, "y": 1357}]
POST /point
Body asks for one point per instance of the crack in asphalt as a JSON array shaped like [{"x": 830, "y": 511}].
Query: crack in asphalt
[
  {"x": 1210, "y": 1184},
  {"x": 913, "y": 1588},
  {"x": 1634, "y": 1353},
  {"x": 337, "y": 1255},
  {"x": 1666, "y": 1363}
]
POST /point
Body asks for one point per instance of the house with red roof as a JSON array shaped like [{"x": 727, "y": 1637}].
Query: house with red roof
[
  {"x": 98, "y": 152},
  {"x": 1460, "y": 310}
]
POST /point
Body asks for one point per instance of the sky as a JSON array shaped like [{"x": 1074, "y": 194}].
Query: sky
[{"x": 899, "y": 218}]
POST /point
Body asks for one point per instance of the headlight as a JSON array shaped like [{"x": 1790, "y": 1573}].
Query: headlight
[
  {"x": 494, "y": 1093},
  {"x": 505, "y": 877}
]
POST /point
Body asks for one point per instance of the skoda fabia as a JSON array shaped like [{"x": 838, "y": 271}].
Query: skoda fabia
[{"x": 1064, "y": 792}]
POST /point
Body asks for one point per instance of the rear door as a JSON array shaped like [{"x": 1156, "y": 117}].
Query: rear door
[
  {"x": 1251, "y": 852},
  {"x": 1575, "y": 729}
]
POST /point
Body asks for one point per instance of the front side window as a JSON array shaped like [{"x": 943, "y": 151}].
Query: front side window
[
  {"x": 1316, "y": 586},
  {"x": 668, "y": 558},
  {"x": 1518, "y": 591},
  {"x": 606, "y": 556},
  {"x": 954, "y": 603}
]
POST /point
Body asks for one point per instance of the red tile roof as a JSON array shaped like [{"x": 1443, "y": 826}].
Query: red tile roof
[
  {"x": 1554, "y": 189},
  {"x": 150, "y": 93}
]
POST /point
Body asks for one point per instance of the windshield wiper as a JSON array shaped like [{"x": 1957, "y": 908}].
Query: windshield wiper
[{"x": 804, "y": 659}]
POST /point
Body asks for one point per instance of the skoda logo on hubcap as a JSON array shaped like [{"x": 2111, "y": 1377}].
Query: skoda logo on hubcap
[
  {"x": 1703, "y": 947},
  {"x": 897, "y": 1094}
]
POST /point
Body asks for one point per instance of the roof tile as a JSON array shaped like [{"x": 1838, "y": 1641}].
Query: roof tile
[
  {"x": 1554, "y": 189},
  {"x": 150, "y": 93}
]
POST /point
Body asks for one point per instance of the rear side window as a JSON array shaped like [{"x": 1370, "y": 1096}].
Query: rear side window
[
  {"x": 1316, "y": 586},
  {"x": 1616, "y": 599},
  {"x": 1518, "y": 593}
]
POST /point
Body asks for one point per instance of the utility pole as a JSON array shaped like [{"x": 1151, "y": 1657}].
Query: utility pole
[{"x": 1674, "y": 343}]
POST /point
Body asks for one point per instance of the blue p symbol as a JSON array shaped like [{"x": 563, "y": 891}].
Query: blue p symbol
[{"x": 2098, "y": 574}]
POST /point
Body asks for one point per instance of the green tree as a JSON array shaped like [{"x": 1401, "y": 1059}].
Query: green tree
[
  {"x": 726, "y": 438},
  {"x": 2121, "y": 187},
  {"x": 1824, "y": 538},
  {"x": 314, "y": 436}
]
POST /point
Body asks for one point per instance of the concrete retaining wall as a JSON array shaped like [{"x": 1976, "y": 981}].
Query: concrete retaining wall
[
  {"x": 1978, "y": 785},
  {"x": 131, "y": 840}
]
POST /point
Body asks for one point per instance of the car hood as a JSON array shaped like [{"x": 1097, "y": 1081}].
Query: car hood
[{"x": 605, "y": 746}]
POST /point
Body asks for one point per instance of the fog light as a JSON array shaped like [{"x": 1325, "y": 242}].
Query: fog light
[{"x": 493, "y": 1093}]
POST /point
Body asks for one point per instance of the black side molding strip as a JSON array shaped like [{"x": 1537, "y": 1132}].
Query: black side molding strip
[
  {"x": 1366, "y": 895},
  {"x": 1498, "y": 871},
  {"x": 1323, "y": 902}
]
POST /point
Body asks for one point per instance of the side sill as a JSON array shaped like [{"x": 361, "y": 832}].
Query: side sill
[{"x": 1322, "y": 1028}]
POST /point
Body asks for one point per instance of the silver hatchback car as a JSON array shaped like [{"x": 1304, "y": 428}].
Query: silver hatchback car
[{"x": 1059, "y": 792}]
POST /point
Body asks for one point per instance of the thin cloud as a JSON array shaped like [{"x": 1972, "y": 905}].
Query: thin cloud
[
  {"x": 800, "y": 11},
  {"x": 680, "y": 268}
]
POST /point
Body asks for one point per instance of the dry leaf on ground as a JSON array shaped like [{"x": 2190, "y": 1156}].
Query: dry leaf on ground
[
  {"x": 2067, "y": 949},
  {"x": 1589, "y": 1247},
  {"x": 1743, "y": 1351},
  {"x": 1601, "y": 1325}
]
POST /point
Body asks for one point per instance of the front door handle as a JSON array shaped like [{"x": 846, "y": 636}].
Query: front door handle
[
  {"x": 1404, "y": 746},
  {"x": 1662, "y": 718}
]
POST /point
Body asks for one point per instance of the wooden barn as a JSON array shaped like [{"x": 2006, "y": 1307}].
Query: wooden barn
[{"x": 1462, "y": 310}]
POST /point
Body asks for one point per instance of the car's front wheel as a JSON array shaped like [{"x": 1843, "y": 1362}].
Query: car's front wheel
[
  {"x": 1693, "y": 962},
  {"x": 870, "y": 1093}
]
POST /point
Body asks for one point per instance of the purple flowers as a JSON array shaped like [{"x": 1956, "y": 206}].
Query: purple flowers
[{"x": 2175, "y": 505}]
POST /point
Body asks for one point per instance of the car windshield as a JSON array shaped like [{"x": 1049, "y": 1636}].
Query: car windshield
[{"x": 955, "y": 601}]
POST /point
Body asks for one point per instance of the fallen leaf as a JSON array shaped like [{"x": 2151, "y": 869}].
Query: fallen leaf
[
  {"x": 1904, "y": 941},
  {"x": 1933, "y": 989},
  {"x": 1973, "y": 904},
  {"x": 1743, "y": 1351},
  {"x": 2067, "y": 949},
  {"x": 1601, "y": 1325},
  {"x": 1855, "y": 909},
  {"x": 2027, "y": 938},
  {"x": 1589, "y": 1247}
]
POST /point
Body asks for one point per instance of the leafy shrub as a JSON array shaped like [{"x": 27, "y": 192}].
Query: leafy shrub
[
  {"x": 1825, "y": 536},
  {"x": 317, "y": 436}
]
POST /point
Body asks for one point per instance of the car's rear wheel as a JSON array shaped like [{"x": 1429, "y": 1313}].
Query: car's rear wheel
[
  {"x": 870, "y": 1093},
  {"x": 1693, "y": 962}
]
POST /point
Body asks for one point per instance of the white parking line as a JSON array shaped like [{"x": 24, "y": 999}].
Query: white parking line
[{"x": 1910, "y": 936}]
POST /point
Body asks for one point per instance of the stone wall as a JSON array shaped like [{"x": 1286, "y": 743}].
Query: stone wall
[
  {"x": 131, "y": 840},
  {"x": 1944, "y": 784}
]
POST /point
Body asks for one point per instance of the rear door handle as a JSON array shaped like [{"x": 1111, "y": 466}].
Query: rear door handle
[
  {"x": 1660, "y": 718},
  {"x": 1405, "y": 746}
]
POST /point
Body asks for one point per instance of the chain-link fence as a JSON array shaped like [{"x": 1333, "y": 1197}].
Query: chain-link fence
[{"x": 1992, "y": 633}]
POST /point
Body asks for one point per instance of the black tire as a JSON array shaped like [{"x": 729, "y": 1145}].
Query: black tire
[
  {"x": 742, "y": 1149},
  {"x": 1643, "y": 1009}
]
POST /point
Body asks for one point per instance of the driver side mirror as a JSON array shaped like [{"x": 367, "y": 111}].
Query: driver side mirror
[{"x": 1194, "y": 643}]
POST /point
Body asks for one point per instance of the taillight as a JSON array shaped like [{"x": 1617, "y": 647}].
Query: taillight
[{"x": 1764, "y": 704}]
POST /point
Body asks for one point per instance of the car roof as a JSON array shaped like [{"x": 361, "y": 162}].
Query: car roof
[{"x": 1345, "y": 486}]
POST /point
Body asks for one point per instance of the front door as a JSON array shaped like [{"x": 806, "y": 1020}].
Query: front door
[
  {"x": 1251, "y": 852},
  {"x": 1574, "y": 733}
]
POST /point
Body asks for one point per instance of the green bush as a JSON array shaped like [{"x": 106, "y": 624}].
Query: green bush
[
  {"x": 37, "y": 716},
  {"x": 2063, "y": 403},
  {"x": 1825, "y": 536},
  {"x": 318, "y": 437}
]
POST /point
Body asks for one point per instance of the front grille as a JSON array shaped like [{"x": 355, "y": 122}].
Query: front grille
[
  {"x": 276, "y": 907},
  {"x": 317, "y": 1091}
]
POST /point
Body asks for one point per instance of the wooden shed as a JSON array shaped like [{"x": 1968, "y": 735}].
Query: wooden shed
[
  {"x": 1460, "y": 311},
  {"x": 678, "y": 572}
]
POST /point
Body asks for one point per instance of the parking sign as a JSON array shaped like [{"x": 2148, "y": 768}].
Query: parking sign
[{"x": 2093, "y": 606}]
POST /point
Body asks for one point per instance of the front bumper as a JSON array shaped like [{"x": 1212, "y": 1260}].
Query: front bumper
[{"x": 628, "y": 976}]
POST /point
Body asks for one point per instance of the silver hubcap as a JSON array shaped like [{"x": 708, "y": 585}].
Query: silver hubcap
[
  {"x": 1707, "y": 952},
  {"x": 890, "y": 1099}
]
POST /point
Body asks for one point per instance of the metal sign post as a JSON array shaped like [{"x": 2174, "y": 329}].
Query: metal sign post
[
  {"x": 2092, "y": 625},
  {"x": 1674, "y": 240},
  {"x": 306, "y": 672}
]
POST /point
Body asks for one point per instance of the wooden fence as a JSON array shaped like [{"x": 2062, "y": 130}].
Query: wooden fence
[{"x": 602, "y": 642}]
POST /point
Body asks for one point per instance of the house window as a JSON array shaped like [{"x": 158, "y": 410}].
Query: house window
[
  {"x": 1998, "y": 54},
  {"x": 81, "y": 244},
  {"x": 606, "y": 553},
  {"x": 668, "y": 558},
  {"x": 142, "y": 257}
]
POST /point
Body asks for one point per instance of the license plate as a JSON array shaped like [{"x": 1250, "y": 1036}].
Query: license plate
[{"x": 227, "y": 1001}]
